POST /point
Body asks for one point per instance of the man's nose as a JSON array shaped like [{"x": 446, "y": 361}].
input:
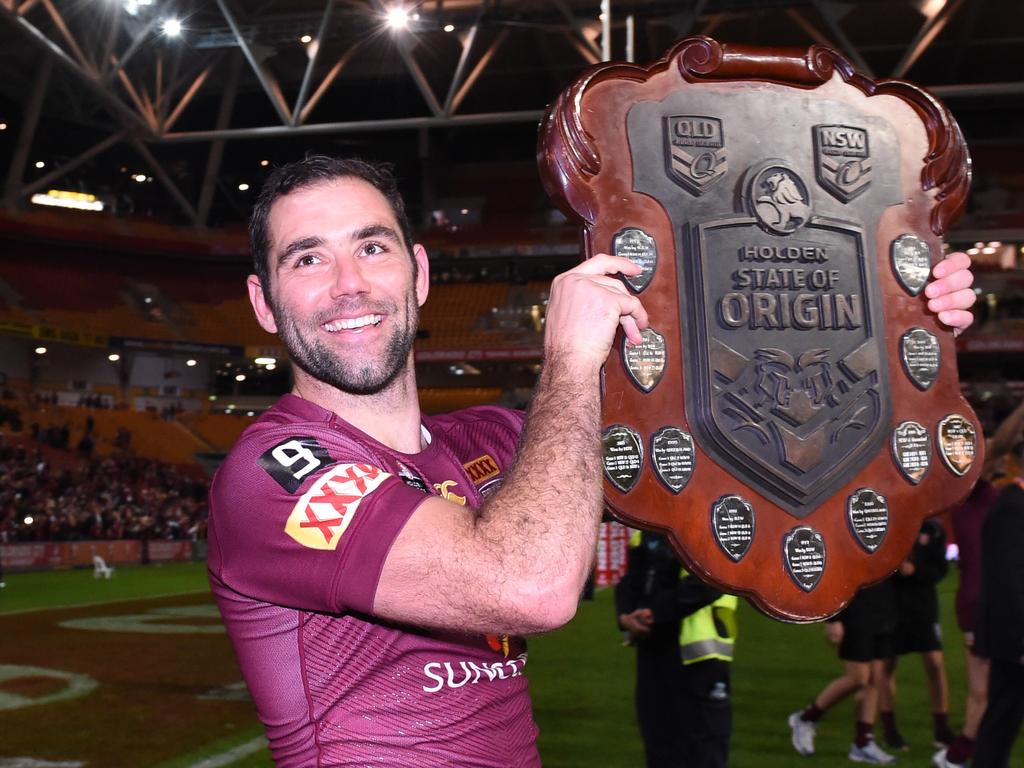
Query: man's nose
[{"x": 348, "y": 277}]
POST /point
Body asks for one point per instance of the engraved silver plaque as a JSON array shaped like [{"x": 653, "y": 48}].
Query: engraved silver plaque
[
  {"x": 672, "y": 455},
  {"x": 957, "y": 441},
  {"x": 732, "y": 520},
  {"x": 804, "y": 551},
  {"x": 919, "y": 351},
  {"x": 640, "y": 248},
  {"x": 867, "y": 512},
  {"x": 912, "y": 262},
  {"x": 912, "y": 450},
  {"x": 623, "y": 456},
  {"x": 646, "y": 361}
]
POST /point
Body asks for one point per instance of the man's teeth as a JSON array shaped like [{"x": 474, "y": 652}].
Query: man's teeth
[{"x": 352, "y": 323}]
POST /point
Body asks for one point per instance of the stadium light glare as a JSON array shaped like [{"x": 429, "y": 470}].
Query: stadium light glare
[
  {"x": 240, "y": 377},
  {"x": 271, "y": 366},
  {"x": 40, "y": 164},
  {"x": 306, "y": 39},
  {"x": 40, "y": 350},
  {"x": 60, "y": 198},
  {"x": 264, "y": 163},
  {"x": 171, "y": 27},
  {"x": 265, "y": 360},
  {"x": 250, "y": 413},
  {"x": 113, "y": 357},
  {"x": 29, "y": 519},
  {"x": 3, "y": 126},
  {"x": 191, "y": 362},
  {"x": 243, "y": 187},
  {"x": 398, "y": 18},
  {"x": 449, "y": 27}
]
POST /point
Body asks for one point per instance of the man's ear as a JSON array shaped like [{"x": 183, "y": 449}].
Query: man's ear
[
  {"x": 260, "y": 305},
  {"x": 422, "y": 273}
]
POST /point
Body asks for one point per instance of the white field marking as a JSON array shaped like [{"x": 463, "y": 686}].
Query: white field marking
[
  {"x": 31, "y": 762},
  {"x": 76, "y": 686},
  {"x": 233, "y": 754},
  {"x": 102, "y": 602},
  {"x": 153, "y": 621}
]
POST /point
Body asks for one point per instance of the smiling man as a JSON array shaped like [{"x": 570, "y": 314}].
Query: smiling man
[{"x": 375, "y": 567}]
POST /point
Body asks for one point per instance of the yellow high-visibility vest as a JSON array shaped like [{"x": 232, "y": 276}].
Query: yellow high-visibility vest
[{"x": 709, "y": 633}]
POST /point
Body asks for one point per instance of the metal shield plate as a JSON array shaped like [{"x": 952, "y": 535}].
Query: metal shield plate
[
  {"x": 957, "y": 441},
  {"x": 732, "y": 520},
  {"x": 921, "y": 356},
  {"x": 645, "y": 361},
  {"x": 804, "y": 552},
  {"x": 672, "y": 455},
  {"x": 623, "y": 456},
  {"x": 912, "y": 450},
  {"x": 868, "y": 514},
  {"x": 911, "y": 261},
  {"x": 639, "y": 247}
]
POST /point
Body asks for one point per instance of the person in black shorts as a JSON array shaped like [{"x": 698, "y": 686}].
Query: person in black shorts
[
  {"x": 863, "y": 632},
  {"x": 918, "y": 631}
]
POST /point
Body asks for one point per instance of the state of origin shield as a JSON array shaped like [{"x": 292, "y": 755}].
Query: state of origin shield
[{"x": 794, "y": 412}]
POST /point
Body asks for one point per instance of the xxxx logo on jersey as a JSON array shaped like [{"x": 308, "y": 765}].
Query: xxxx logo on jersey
[{"x": 326, "y": 509}]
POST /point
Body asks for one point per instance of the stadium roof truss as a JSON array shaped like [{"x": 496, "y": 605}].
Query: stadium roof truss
[{"x": 334, "y": 66}]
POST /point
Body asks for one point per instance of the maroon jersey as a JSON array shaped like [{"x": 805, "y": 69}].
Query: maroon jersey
[{"x": 303, "y": 513}]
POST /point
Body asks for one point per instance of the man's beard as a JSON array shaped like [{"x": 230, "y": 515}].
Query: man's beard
[{"x": 357, "y": 377}]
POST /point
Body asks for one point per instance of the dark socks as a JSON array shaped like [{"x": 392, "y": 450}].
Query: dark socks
[
  {"x": 863, "y": 733},
  {"x": 812, "y": 714},
  {"x": 960, "y": 750}
]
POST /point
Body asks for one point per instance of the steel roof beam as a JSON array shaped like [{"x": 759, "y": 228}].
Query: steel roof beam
[
  {"x": 69, "y": 166},
  {"x": 307, "y": 76},
  {"x": 357, "y": 126},
  {"x": 928, "y": 32},
  {"x": 270, "y": 86}
]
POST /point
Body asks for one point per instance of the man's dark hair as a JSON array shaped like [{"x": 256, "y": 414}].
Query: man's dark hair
[{"x": 316, "y": 169}]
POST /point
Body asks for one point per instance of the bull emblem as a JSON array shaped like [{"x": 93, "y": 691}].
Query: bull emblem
[{"x": 794, "y": 388}]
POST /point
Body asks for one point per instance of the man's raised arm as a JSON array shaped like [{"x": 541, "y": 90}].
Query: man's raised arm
[{"x": 518, "y": 564}]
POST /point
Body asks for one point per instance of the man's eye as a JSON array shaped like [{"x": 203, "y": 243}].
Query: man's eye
[
  {"x": 374, "y": 249},
  {"x": 307, "y": 260}
]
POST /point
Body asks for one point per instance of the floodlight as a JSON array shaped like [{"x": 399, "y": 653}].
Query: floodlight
[
  {"x": 172, "y": 27},
  {"x": 398, "y": 18},
  {"x": 243, "y": 187}
]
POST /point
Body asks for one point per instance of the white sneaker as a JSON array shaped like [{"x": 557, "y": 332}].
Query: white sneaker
[
  {"x": 939, "y": 760},
  {"x": 870, "y": 753},
  {"x": 803, "y": 734}
]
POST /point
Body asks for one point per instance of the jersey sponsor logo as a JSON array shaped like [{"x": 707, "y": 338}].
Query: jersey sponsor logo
[
  {"x": 444, "y": 491},
  {"x": 482, "y": 469},
  {"x": 293, "y": 459},
  {"x": 327, "y": 508},
  {"x": 445, "y": 674}
]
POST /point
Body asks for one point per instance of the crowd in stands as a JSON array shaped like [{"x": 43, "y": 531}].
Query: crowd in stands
[{"x": 114, "y": 497}]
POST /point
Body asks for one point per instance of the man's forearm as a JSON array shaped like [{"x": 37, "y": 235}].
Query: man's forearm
[{"x": 546, "y": 517}]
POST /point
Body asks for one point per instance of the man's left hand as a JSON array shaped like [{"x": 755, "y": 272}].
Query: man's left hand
[{"x": 950, "y": 294}]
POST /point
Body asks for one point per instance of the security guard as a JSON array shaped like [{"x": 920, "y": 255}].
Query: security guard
[{"x": 684, "y": 632}]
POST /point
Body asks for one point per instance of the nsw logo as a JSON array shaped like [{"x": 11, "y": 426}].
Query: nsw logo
[
  {"x": 842, "y": 162},
  {"x": 327, "y": 508}
]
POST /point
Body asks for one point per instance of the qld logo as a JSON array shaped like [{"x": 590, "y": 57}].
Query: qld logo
[
  {"x": 842, "y": 162},
  {"x": 696, "y": 151}
]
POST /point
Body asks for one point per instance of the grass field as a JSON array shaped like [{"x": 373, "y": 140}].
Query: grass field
[{"x": 581, "y": 678}]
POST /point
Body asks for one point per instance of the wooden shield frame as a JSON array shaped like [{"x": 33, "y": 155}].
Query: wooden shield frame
[{"x": 795, "y": 412}]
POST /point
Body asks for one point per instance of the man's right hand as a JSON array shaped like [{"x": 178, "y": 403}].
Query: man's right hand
[{"x": 587, "y": 305}]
